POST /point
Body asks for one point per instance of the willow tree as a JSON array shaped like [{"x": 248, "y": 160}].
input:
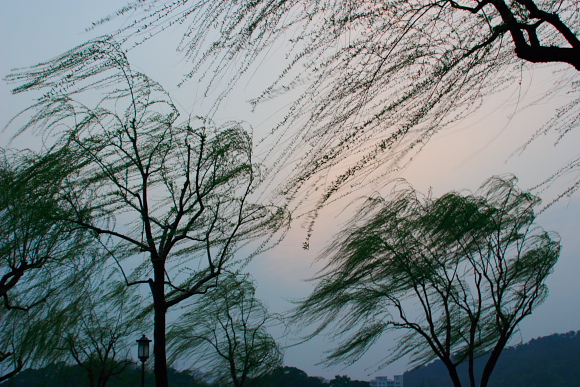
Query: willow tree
[
  {"x": 171, "y": 200},
  {"x": 457, "y": 274},
  {"x": 34, "y": 237},
  {"x": 226, "y": 334},
  {"x": 41, "y": 255},
  {"x": 105, "y": 319},
  {"x": 373, "y": 80}
]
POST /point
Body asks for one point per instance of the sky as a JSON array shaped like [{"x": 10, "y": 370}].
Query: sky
[{"x": 461, "y": 157}]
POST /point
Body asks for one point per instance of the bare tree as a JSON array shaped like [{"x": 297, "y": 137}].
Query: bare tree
[
  {"x": 457, "y": 274},
  {"x": 171, "y": 200},
  {"x": 225, "y": 333},
  {"x": 374, "y": 80}
]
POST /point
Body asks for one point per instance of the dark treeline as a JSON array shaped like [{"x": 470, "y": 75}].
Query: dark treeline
[
  {"x": 550, "y": 361},
  {"x": 291, "y": 376},
  {"x": 65, "y": 375},
  {"x": 74, "y": 376}
]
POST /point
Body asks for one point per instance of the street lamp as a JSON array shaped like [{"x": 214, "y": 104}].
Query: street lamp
[{"x": 143, "y": 354}]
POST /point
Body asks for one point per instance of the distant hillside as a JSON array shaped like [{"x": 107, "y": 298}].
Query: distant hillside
[{"x": 551, "y": 361}]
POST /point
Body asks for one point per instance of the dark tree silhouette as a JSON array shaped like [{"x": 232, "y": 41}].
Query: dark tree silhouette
[
  {"x": 33, "y": 232},
  {"x": 171, "y": 200},
  {"x": 226, "y": 335},
  {"x": 345, "y": 381},
  {"x": 543, "y": 361},
  {"x": 456, "y": 273},
  {"x": 105, "y": 317},
  {"x": 41, "y": 255},
  {"x": 288, "y": 377}
]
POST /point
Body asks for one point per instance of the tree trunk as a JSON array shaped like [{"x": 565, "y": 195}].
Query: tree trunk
[
  {"x": 92, "y": 381},
  {"x": 471, "y": 370},
  {"x": 452, "y": 370},
  {"x": 103, "y": 381},
  {"x": 159, "y": 308},
  {"x": 492, "y": 361}
]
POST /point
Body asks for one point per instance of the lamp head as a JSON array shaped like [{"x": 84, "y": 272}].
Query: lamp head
[{"x": 143, "y": 348}]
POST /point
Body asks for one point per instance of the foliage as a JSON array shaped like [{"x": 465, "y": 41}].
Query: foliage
[
  {"x": 69, "y": 376},
  {"x": 457, "y": 274},
  {"x": 345, "y": 381},
  {"x": 106, "y": 318},
  {"x": 41, "y": 256},
  {"x": 287, "y": 377},
  {"x": 33, "y": 233},
  {"x": 225, "y": 333},
  {"x": 65, "y": 375},
  {"x": 374, "y": 80},
  {"x": 173, "y": 197}
]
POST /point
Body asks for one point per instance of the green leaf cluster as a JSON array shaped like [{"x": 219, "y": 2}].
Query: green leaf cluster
[{"x": 456, "y": 274}]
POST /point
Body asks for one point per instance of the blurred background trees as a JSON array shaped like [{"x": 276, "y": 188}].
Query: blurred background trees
[
  {"x": 103, "y": 319},
  {"x": 226, "y": 333}
]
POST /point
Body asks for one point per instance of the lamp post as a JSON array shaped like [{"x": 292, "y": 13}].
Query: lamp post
[{"x": 143, "y": 354}]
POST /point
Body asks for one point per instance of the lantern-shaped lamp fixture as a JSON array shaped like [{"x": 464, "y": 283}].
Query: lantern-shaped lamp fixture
[{"x": 143, "y": 348}]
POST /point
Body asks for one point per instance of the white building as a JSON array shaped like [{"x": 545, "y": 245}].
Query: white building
[{"x": 384, "y": 381}]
